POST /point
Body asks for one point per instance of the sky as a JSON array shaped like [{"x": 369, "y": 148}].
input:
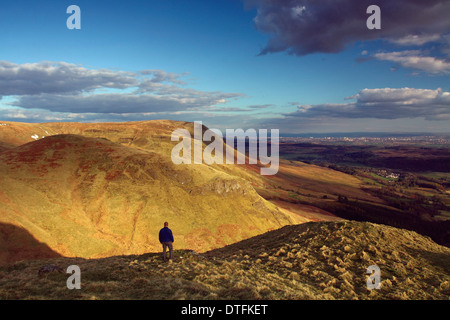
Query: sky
[{"x": 300, "y": 66}]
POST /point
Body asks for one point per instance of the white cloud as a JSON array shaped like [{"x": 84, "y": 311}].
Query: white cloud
[
  {"x": 69, "y": 88},
  {"x": 384, "y": 103},
  {"x": 414, "y": 59},
  {"x": 58, "y": 77},
  {"x": 416, "y": 40}
]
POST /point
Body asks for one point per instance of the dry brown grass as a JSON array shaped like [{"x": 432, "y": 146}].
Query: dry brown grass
[
  {"x": 309, "y": 261},
  {"x": 104, "y": 190},
  {"x": 90, "y": 197},
  {"x": 98, "y": 189}
]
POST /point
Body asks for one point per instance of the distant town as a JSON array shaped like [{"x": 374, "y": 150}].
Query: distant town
[{"x": 386, "y": 140}]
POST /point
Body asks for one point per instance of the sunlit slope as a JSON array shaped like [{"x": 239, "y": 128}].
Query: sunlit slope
[
  {"x": 97, "y": 179},
  {"x": 152, "y": 135},
  {"x": 329, "y": 260},
  {"x": 91, "y": 197},
  {"x": 155, "y": 136}
]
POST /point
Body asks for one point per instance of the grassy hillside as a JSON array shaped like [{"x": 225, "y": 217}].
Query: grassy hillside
[
  {"x": 323, "y": 260},
  {"x": 101, "y": 189},
  {"x": 91, "y": 197}
]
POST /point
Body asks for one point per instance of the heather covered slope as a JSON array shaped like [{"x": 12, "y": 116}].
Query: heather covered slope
[
  {"x": 90, "y": 197},
  {"x": 315, "y": 260}
]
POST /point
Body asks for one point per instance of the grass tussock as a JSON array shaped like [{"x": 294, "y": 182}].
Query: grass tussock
[{"x": 326, "y": 260}]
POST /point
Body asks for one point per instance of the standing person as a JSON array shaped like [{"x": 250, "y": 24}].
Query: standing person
[{"x": 166, "y": 239}]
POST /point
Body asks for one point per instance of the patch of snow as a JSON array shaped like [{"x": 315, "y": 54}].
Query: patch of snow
[{"x": 35, "y": 136}]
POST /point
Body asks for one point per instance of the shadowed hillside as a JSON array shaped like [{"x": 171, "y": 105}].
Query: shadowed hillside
[
  {"x": 315, "y": 260},
  {"x": 18, "y": 244}
]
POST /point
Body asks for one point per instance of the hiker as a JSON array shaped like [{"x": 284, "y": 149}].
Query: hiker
[{"x": 166, "y": 239}]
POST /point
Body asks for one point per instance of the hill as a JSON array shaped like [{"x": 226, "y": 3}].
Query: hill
[
  {"x": 91, "y": 197},
  {"x": 101, "y": 189},
  {"x": 315, "y": 260},
  {"x": 97, "y": 189}
]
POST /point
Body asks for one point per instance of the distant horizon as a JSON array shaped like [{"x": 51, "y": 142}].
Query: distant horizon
[
  {"x": 343, "y": 134},
  {"x": 364, "y": 134}
]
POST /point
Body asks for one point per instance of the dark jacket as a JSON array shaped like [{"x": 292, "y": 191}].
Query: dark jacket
[{"x": 165, "y": 235}]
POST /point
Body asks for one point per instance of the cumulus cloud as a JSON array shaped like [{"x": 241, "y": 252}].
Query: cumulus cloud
[
  {"x": 116, "y": 102},
  {"x": 58, "y": 77},
  {"x": 414, "y": 59},
  {"x": 69, "y": 88},
  {"x": 303, "y": 27},
  {"x": 384, "y": 103},
  {"x": 100, "y": 103}
]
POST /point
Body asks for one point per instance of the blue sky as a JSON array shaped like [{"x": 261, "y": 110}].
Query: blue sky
[{"x": 291, "y": 65}]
